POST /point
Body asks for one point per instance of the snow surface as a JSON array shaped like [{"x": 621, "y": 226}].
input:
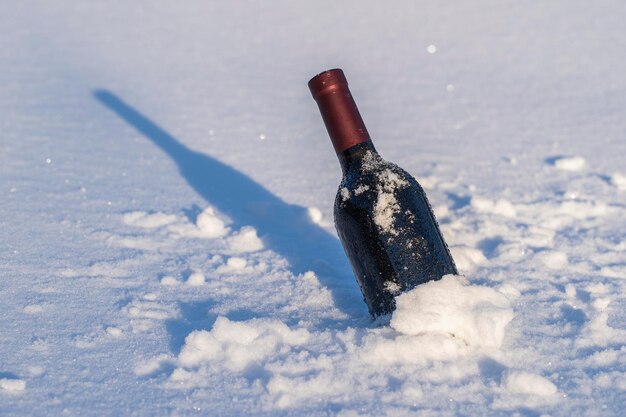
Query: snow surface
[{"x": 167, "y": 185}]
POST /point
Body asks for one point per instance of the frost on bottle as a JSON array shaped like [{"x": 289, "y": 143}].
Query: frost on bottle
[{"x": 382, "y": 216}]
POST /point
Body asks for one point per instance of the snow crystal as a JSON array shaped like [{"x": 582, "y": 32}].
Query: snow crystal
[
  {"x": 475, "y": 314},
  {"x": 573, "y": 163},
  {"x": 521, "y": 382},
  {"x": 210, "y": 225},
  {"x": 246, "y": 240},
  {"x": 12, "y": 385},
  {"x": 431, "y": 49}
]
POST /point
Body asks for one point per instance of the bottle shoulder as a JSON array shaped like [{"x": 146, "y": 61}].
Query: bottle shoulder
[{"x": 375, "y": 179}]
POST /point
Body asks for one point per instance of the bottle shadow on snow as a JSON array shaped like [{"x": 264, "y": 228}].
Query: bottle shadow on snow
[{"x": 283, "y": 227}]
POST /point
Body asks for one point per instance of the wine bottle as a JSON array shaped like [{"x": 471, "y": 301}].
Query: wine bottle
[{"x": 382, "y": 216}]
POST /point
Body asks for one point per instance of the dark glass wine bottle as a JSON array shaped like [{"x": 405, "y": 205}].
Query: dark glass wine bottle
[{"x": 382, "y": 216}]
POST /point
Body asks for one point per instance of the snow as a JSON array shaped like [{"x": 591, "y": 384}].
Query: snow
[
  {"x": 211, "y": 225},
  {"x": 573, "y": 163},
  {"x": 619, "y": 180},
  {"x": 166, "y": 179},
  {"x": 520, "y": 382},
  {"x": 12, "y": 385},
  {"x": 196, "y": 279},
  {"x": 475, "y": 315}
]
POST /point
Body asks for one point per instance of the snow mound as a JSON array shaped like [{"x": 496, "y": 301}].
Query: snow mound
[
  {"x": 246, "y": 240},
  {"x": 619, "y": 180},
  {"x": 12, "y": 385},
  {"x": 522, "y": 382},
  {"x": 475, "y": 314},
  {"x": 553, "y": 259},
  {"x": 572, "y": 163},
  {"x": 236, "y": 345},
  {"x": 196, "y": 279},
  {"x": 210, "y": 225}
]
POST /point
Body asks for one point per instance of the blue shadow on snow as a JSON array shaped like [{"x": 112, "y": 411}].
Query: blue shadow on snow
[{"x": 284, "y": 228}]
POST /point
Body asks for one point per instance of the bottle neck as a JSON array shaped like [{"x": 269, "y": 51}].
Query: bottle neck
[
  {"x": 356, "y": 156},
  {"x": 338, "y": 109}
]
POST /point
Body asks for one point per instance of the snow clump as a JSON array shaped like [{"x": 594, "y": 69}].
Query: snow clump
[
  {"x": 12, "y": 385},
  {"x": 521, "y": 382},
  {"x": 619, "y": 180},
  {"x": 246, "y": 240},
  {"x": 573, "y": 163},
  {"x": 386, "y": 206},
  {"x": 196, "y": 279},
  {"x": 236, "y": 345},
  {"x": 451, "y": 306},
  {"x": 210, "y": 225}
]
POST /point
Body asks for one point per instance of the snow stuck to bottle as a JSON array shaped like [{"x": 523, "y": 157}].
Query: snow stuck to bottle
[
  {"x": 386, "y": 206},
  {"x": 475, "y": 314}
]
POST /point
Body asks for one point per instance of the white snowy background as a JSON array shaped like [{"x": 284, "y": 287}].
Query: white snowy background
[{"x": 166, "y": 237}]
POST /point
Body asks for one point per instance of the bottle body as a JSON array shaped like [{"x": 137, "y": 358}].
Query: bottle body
[
  {"x": 382, "y": 216},
  {"x": 387, "y": 228}
]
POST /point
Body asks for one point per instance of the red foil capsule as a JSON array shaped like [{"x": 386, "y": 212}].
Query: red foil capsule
[{"x": 341, "y": 116}]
